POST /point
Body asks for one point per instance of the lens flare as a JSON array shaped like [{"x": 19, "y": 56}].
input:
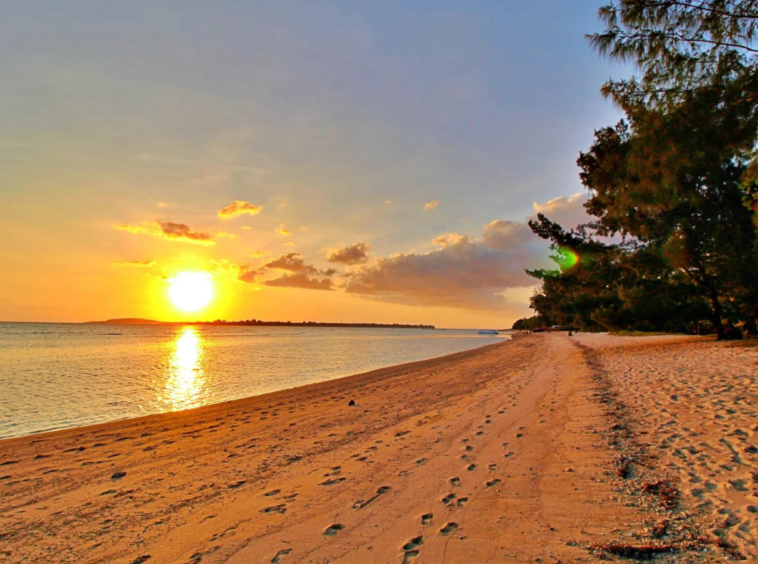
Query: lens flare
[{"x": 566, "y": 258}]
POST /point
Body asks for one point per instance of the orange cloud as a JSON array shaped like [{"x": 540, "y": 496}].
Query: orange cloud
[
  {"x": 282, "y": 230},
  {"x": 258, "y": 254},
  {"x": 431, "y": 205},
  {"x": 352, "y": 254},
  {"x": 239, "y": 207},
  {"x": 169, "y": 230}
]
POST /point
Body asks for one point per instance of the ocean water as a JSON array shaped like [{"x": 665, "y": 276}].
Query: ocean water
[{"x": 55, "y": 376}]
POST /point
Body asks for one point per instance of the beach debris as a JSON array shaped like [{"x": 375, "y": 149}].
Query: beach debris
[
  {"x": 351, "y": 403},
  {"x": 360, "y": 504}
]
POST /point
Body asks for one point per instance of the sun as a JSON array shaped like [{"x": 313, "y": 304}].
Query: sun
[{"x": 191, "y": 291}]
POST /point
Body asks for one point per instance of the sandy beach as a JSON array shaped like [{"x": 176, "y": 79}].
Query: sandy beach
[{"x": 547, "y": 448}]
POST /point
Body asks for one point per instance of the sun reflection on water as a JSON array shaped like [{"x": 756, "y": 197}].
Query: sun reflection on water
[{"x": 186, "y": 381}]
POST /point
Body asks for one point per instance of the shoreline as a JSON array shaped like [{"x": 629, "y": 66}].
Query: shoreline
[
  {"x": 505, "y": 453},
  {"x": 368, "y": 373}
]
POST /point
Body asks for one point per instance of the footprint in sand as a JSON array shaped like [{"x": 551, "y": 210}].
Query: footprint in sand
[
  {"x": 456, "y": 481},
  {"x": 281, "y": 509},
  {"x": 272, "y": 492},
  {"x": 471, "y": 467},
  {"x": 449, "y": 528},
  {"x": 494, "y": 482},
  {"x": 462, "y": 501},
  {"x": 332, "y": 530},
  {"x": 278, "y": 558},
  {"x": 448, "y": 499},
  {"x": 410, "y": 555},
  {"x": 492, "y": 467},
  {"x": 415, "y": 542},
  {"x": 421, "y": 461},
  {"x": 332, "y": 482},
  {"x": 426, "y": 518}
]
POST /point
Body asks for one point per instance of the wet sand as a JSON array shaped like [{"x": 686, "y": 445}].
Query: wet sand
[{"x": 546, "y": 447}]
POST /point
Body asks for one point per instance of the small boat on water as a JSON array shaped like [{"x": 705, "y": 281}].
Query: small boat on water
[{"x": 488, "y": 332}]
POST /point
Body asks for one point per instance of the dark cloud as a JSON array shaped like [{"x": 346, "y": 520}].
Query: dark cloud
[
  {"x": 353, "y": 254},
  {"x": 182, "y": 232},
  {"x": 292, "y": 262},
  {"x": 169, "y": 230},
  {"x": 301, "y": 280}
]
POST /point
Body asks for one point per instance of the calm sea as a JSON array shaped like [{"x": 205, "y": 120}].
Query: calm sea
[{"x": 54, "y": 376}]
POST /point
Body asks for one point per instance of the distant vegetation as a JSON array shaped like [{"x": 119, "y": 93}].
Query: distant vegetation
[
  {"x": 673, "y": 187},
  {"x": 258, "y": 322}
]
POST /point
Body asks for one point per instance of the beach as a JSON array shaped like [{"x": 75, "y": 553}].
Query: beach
[{"x": 545, "y": 448}]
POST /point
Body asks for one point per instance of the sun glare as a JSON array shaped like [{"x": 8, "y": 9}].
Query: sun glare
[{"x": 191, "y": 291}]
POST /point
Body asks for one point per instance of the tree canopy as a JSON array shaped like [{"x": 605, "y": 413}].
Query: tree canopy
[{"x": 674, "y": 185}]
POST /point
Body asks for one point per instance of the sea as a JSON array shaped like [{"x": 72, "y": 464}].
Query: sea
[{"x": 58, "y": 376}]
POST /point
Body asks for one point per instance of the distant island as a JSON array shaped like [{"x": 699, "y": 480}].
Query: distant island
[{"x": 257, "y": 323}]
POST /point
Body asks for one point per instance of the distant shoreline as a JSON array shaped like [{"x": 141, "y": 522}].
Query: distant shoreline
[{"x": 260, "y": 323}]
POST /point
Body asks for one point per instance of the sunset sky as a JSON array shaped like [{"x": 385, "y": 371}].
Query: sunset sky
[{"x": 328, "y": 161}]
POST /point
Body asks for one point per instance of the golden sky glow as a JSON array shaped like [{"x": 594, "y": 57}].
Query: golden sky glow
[{"x": 372, "y": 164}]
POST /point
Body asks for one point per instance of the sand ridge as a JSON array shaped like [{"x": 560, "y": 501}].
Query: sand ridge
[{"x": 494, "y": 455}]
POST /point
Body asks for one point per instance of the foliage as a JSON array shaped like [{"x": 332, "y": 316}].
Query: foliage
[{"x": 670, "y": 181}]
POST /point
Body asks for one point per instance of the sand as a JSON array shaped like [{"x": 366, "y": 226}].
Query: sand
[{"x": 543, "y": 449}]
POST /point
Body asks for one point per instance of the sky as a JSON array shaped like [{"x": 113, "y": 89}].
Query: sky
[{"x": 329, "y": 161}]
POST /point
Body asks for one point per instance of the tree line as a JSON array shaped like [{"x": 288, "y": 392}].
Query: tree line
[{"x": 673, "y": 242}]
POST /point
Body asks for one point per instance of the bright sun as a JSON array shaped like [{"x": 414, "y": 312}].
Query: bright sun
[{"x": 191, "y": 291}]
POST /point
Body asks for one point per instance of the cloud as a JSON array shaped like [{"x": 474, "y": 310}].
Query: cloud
[
  {"x": 258, "y": 254},
  {"x": 447, "y": 239},
  {"x": 282, "y": 230},
  {"x": 500, "y": 234},
  {"x": 466, "y": 272},
  {"x": 388, "y": 202},
  {"x": 298, "y": 274},
  {"x": 181, "y": 232},
  {"x": 239, "y": 207},
  {"x": 163, "y": 204},
  {"x": 301, "y": 280},
  {"x": 283, "y": 204},
  {"x": 169, "y": 230},
  {"x": 247, "y": 274},
  {"x": 352, "y": 254},
  {"x": 135, "y": 263},
  {"x": 431, "y": 205},
  {"x": 292, "y": 262},
  {"x": 567, "y": 210}
]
